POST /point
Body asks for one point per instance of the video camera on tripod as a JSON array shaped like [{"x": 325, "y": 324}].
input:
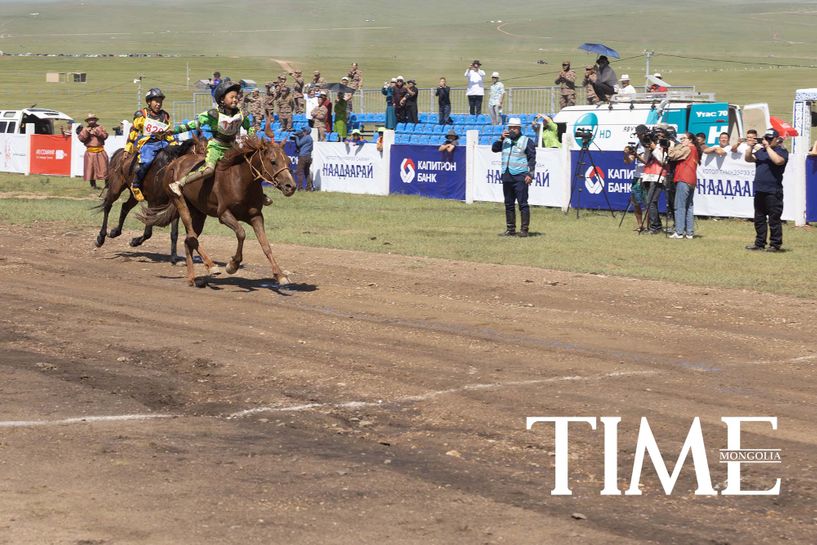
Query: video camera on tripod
[
  {"x": 651, "y": 135},
  {"x": 583, "y": 136}
]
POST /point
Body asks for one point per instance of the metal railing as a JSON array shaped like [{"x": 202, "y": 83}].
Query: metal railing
[{"x": 518, "y": 100}]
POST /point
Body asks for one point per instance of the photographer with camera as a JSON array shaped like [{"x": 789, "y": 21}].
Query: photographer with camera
[
  {"x": 636, "y": 152},
  {"x": 770, "y": 159},
  {"x": 687, "y": 157},
  {"x": 656, "y": 143},
  {"x": 475, "y": 92},
  {"x": 518, "y": 169}
]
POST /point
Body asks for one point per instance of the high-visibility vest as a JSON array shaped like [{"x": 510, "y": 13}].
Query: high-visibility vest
[{"x": 514, "y": 159}]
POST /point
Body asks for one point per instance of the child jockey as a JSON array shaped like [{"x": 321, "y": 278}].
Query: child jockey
[
  {"x": 148, "y": 136},
  {"x": 225, "y": 121}
]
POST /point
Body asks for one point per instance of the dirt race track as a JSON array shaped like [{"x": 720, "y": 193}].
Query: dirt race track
[{"x": 382, "y": 400}]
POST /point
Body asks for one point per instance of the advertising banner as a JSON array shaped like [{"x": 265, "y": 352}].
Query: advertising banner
[
  {"x": 13, "y": 153},
  {"x": 50, "y": 154},
  {"x": 811, "y": 188},
  {"x": 545, "y": 190},
  {"x": 725, "y": 187},
  {"x": 349, "y": 168},
  {"x": 598, "y": 177},
  {"x": 426, "y": 171}
]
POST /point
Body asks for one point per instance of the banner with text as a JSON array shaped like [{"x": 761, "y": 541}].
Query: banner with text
[
  {"x": 50, "y": 154},
  {"x": 725, "y": 188},
  {"x": 349, "y": 168},
  {"x": 13, "y": 153},
  {"x": 545, "y": 190},
  {"x": 426, "y": 171}
]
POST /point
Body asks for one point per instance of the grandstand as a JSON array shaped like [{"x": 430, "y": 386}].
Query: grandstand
[{"x": 426, "y": 132}]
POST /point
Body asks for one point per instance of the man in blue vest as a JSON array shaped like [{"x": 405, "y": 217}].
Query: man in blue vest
[{"x": 518, "y": 168}]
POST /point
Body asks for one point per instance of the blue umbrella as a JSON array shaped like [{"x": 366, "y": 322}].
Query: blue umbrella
[{"x": 600, "y": 49}]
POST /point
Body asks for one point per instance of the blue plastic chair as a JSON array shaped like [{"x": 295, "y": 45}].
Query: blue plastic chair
[{"x": 401, "y": 127}]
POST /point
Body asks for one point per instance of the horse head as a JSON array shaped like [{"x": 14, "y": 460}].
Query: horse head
[{"x": 273, "y": 167}]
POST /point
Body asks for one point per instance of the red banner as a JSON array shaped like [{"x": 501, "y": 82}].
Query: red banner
[{"x": 50, "y": 154}]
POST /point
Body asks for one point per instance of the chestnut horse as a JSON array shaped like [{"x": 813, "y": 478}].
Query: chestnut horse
[
  {"x": 232, "y": 195},
  {"x": 121, "y": 170}
]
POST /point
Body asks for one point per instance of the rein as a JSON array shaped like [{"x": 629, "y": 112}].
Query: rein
[{"x": 257, "y": 173}]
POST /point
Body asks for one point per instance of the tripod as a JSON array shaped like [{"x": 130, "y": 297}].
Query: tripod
[
  {"x": 584, "y": 160},
  {"x": 654, "y": 194}
]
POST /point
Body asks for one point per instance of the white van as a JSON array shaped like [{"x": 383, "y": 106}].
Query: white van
[{"x": 14, "y": 121}]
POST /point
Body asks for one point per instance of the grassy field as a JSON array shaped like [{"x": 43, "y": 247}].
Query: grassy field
[
  {"x": 762, "y": 51},
  {"x": 453, "y": 230}
]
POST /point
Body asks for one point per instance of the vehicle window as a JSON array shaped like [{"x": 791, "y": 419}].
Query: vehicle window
[
  {"x": 3, "y": 125},
  {"x": 9, "y": 114}
]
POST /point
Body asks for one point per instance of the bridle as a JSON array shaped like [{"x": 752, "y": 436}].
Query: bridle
[{"x": 258, "y": 175}]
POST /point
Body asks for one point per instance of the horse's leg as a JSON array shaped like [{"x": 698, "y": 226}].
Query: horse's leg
[
  {"x": 257, "y": 223},
  {"x": 191, "y": 242},
  {"x": 174, "y": 239},
  {"x": 146, "y": 234},
  {"x": 103, "y": 231},
  {"x": 126, "y": 208},
  {"x": 199, "y": 218},
  {"x": 227, "y": 218}
]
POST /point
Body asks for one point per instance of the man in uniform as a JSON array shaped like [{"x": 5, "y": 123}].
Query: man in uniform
[
  {"x": 268, "y": 100},
  {"x": 286, "y": 105},
  {"x": 298, "y": 91},
  {"x": 320, "y": 114},
  {"x": 589, "y": 80},
  {"x": 254, "y": 106},
  {"x": 317, "y": 81},
  {"x": 567, "y": 82},
  {"x": 356, "y": 77}
]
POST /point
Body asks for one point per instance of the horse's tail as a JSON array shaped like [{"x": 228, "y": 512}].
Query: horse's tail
[{"x": 159, "y": 216}]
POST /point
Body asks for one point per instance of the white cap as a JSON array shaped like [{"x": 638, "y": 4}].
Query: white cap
[
  {"x": 401, "y": 78},
  {"x": 495, "y": 75},
  {"x": 394, "y": 80},
  {"x": 514, "y": 122},
  {"x": 344, "y": 78},
  {"x": 625, "y": 77},
  {"x": 657, "y": 75}
]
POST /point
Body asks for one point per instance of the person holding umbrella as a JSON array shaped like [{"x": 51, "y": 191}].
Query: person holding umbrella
[{"x": 606, "y": 79}]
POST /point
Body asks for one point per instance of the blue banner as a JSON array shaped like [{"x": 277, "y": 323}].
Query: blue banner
[
  {"x": 811, "y": 188},
  {"x": 611, "y": 177},
  {"x": 426, "y": 171}
]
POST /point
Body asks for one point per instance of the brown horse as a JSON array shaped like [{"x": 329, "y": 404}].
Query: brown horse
[
  {"x": 120, "y": 171},
  {"x": 232, "y": 195}
]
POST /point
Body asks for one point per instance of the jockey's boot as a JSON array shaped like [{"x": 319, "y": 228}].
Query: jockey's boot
[
  {"x": 176, "y": 187},
  {"x": 137, "y": 192}
]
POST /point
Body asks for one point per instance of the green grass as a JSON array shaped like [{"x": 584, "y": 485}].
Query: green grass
[{"x": 453, "y": 230}]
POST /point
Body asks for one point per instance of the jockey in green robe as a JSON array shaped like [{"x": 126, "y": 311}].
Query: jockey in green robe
[{"x": 225, "y": 122}]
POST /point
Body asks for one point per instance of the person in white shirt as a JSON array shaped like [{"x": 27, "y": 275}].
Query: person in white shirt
[
  {"x": 474, "y": 91},
  {"x": 624, "y": 87},
  {"x": 496, "y": 99},
  {"x": 311, "y": 103}
]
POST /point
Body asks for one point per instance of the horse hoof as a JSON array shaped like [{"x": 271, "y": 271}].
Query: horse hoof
[
  {"x": 200, "y": 282},
  {"x": 282, "y": 280},
  {"x": 100, "y": 240},
  {"x": 115, "y": 233},
  {"x": 175, "y": 259},
  {"x": 136, "y": 242},
  {"x": 232, "y": 267}
]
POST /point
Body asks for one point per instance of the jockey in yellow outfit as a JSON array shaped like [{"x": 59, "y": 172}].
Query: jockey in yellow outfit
[{"x": 148, "y": 136}]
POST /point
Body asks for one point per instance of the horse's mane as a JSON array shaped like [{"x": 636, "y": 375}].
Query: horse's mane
[{"x": 237, "y": 154}]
